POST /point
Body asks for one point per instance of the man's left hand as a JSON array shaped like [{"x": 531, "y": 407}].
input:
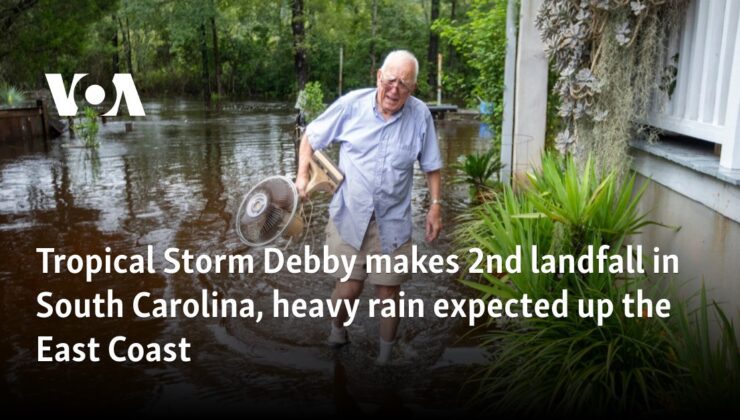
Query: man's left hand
[{"x": 434, "y": 222}]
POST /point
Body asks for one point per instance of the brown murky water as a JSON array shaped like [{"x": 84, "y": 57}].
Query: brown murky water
[{"x": 176, "y": 181}]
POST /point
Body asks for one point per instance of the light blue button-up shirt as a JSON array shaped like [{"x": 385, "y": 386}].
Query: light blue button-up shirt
[{"x": 377, "y": 158}]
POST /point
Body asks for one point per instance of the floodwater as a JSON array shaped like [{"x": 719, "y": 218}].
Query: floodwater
[{"x": 176, "y": 180}]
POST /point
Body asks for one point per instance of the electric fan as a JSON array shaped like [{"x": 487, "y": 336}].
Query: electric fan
[{"x": 272, "y": 207}]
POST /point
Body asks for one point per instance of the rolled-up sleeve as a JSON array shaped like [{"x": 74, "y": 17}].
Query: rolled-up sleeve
[
  {"x": 429, "y": 157},
  {"x": 324, "y": 129}
]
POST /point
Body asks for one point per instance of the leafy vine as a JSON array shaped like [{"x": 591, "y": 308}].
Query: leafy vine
[{"x": 609, "y": 56}]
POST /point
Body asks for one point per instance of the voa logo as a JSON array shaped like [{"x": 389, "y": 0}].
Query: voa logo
[{"x": 95, "y": 94}]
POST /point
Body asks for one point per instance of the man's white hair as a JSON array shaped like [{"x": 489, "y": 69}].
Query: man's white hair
[{"x": 398, "y": 55}]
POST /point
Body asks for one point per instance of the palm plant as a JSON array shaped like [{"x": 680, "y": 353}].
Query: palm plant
[
  {"x": 586, "y": 203},
  {"x": 562, "y": 213},
  {"x": 11, "y": 95},
  {"x": 477, "y": 169},
  {"x": 498, "y": 227},
  {"x": 561, "y": 365}
]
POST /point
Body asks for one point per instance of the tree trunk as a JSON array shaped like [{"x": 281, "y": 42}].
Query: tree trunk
[
  {"x": 128, "y": 49},
  {"x": 114, "y": 43},
  {"x": 216, "y": 57},
  {"x": 205, "y": 78},
  {"x": 373, "y": 26},
  {"x": 126, "y": 44},
  {"x": 433, "y": 47},
  {"x": 451, "y": 57},
  {"x": 299, "y": 36}
]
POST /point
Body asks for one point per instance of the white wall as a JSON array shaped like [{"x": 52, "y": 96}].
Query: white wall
[{"x": 707, "y": 244}]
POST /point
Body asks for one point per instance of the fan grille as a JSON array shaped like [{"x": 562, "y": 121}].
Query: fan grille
[{"x": 266, "y": 210}]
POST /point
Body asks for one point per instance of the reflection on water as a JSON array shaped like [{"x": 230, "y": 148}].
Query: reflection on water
[{"x": 176, "y": 181}]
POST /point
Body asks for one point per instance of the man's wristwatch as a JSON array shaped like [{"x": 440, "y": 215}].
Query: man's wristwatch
[{"x": 436, "y": 201}]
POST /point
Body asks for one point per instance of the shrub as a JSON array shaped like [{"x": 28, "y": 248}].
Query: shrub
[
  {"x": 710, "y": 358},
  {"x": 89, "y": 128},
  {"x": 311, "y": 101},
  {"x": 477, "y": 169},
  {"x": 565, "y": 365},
  {"x": 10, "y": 95},
  {"x": 570, "y": 365}
]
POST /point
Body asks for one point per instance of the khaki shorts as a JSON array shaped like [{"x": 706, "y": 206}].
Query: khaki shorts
[{"x": 370, "y": 246}]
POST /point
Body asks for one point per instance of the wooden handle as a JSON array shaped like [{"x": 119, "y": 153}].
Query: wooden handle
[{"x": 323, "y": 174}]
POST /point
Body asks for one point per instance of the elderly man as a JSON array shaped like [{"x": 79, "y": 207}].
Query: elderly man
[{"x": 381, "y": 131}]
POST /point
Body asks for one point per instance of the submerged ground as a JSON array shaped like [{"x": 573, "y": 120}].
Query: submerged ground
[{"x": 176, "y": 180}]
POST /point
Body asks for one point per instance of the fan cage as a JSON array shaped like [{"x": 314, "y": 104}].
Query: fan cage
[{"x": 243, "y": 205}]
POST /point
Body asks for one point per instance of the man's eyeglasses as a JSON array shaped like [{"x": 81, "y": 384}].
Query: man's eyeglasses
[{"x": 390, "y": 82}]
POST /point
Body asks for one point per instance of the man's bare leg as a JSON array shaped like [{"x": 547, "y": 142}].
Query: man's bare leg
[
  {"x": 349, "y": 290},
  {"x": 388, "y": 325}
]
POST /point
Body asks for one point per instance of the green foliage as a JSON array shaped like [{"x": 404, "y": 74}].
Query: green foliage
[
  {"x": 497, "y": 227},
  {"x": 45, "y": 36},
  {"x": 400, "y": 25},
  {"x": 606, "y": 55},
  {"x": 554, "y": 124},
  {"x": 477, "y": 169},
  {"x": 10, "y": 95},
  {"x": 255, "y": 44},
  {"x": 570, "y": 365},
  {"x": 588, "y": 205},
  {"x": 669, "y": 78},
  {"x": 311, "y": 101},
  {"x": 562, "y": 366},
  {"x": 565, "y": 365},
  {"x": 481, "y": 43},
  {"x": 563, "y": 211},
  {"x": 711, "y": 359},
  {"x": 88, "y": 128}
]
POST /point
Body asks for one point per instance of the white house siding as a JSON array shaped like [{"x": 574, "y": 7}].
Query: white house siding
[
  {"x": 707, "y": 210},
  {"x": 706, "y": 101}
]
